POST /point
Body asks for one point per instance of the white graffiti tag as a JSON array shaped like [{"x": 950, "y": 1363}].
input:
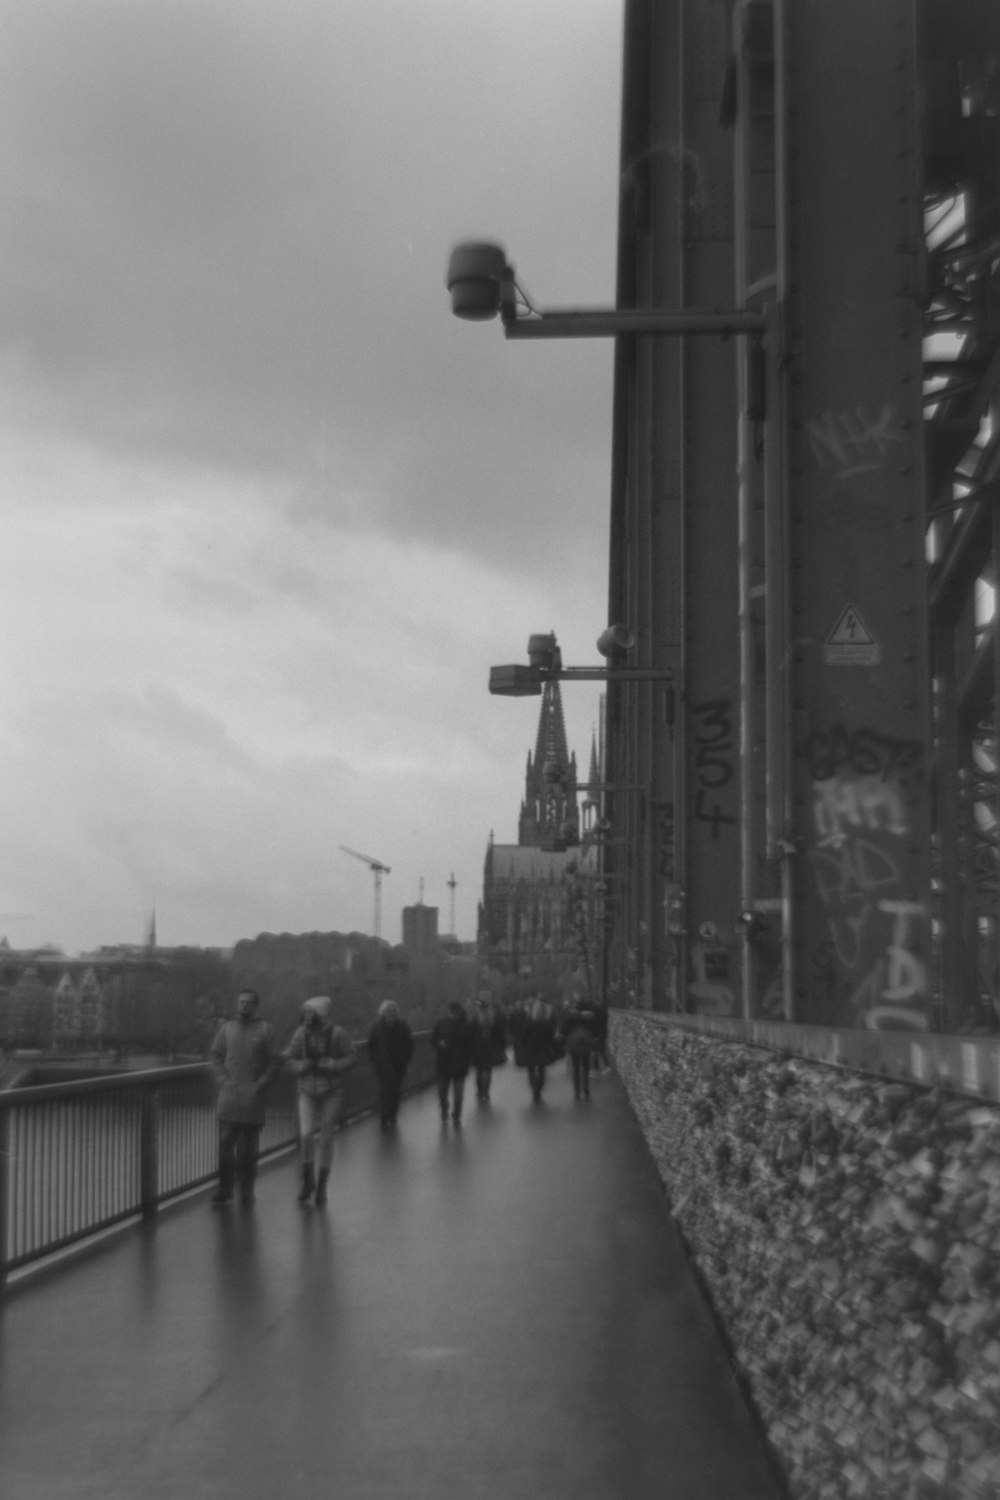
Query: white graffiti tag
[
  {"x": 852, "y": 442},
  {"x": 843, "y": 804}
]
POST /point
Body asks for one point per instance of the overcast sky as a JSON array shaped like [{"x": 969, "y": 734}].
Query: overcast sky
[{"x": 270, "y": 511}]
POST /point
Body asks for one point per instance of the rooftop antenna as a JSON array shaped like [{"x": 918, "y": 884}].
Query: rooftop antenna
[{"x": 378, "y": 869}]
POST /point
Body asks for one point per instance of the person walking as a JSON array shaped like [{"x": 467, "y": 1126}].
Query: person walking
[
  {"x": 599, "y": 1045},
  {"x": 245, "y": 1056},
  {"x": 390, "y": 1047},
  {"x": 538, "y": 1044},
  {"x": 578, "y": 1028},
  {"x": 489, "y": 1045},
  {"x": 517, "y": 1020},
  {"x": 321, "y": 1054},
  {"x": 451, "y": 1039}
]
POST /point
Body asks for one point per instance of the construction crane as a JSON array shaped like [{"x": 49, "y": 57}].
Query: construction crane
[{"x": 378, "y": 869}]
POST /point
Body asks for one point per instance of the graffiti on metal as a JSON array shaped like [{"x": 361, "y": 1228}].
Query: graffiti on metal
[
  {"x": 710, "y": 990},
  {"x": 856, "y": 441},
  {"x": 714, "y": 761},
  {"x": 870, "y": 971}
]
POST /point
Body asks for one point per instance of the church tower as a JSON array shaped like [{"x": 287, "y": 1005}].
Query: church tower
[{"x": 550, "y": 815}]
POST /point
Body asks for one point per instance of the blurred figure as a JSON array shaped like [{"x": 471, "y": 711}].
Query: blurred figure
[
  {"x": 516, "y": 1022},
  {"x": 451, "y": 1039},
  {"x": 390, "y": 1047},
  {"x": 599, "y": 1047},
  {"x": 489, "y": 1045},
  {"x": 538, "y": 1044},
  {"x": 321, "y": 1054},
  {"x": 578, "y": 1028},
  {"x": 245, "y": 1057}
]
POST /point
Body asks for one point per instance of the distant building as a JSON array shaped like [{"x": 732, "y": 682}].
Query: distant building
[
  {"x": 119, "y": 994},
  {"x": 420, "y": 928}
]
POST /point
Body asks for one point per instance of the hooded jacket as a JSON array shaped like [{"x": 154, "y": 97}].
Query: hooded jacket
[{"x": 321, "y": 1054}]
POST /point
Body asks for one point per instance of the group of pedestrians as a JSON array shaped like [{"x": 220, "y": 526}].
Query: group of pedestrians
[
  {"x": 542, "y": 1036},
  {"x": 539, "y": 1034},
  {"x": 465, "y": 1043},
  {"x": 246, "y": 1056}
]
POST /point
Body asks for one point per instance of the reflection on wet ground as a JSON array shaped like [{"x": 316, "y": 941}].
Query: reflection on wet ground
[{"x": 500, "y": 1311}]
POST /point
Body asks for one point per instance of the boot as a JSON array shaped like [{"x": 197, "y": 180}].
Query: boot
[
  {"x": 308, "y": 1183},
  {"x": 324, "y": 1173}
]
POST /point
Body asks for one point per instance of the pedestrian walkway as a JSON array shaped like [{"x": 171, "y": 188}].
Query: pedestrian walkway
[{"x": 501, "y": 1312}]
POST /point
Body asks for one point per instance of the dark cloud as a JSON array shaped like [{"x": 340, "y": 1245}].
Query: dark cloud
[{"x": 224, "y": 238}]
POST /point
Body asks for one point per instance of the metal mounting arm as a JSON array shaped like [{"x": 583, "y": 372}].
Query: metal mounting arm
[
  {"x": 517, "y": 680},
  {"x": 481, "y": 282}
]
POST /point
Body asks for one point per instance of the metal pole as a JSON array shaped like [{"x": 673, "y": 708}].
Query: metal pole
[
  {"x": 149, "y": 1152},
  {"x": 4, "y": 1193},
  {"x": 609, "y": 323}
]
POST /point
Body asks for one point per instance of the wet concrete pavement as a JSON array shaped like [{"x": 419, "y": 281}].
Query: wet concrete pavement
[{"x": 498, "y": 1313}]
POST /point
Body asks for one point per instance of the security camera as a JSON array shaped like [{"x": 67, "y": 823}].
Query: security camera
[
  {"x": 474, "y": 275},
  {"x": 615, "y": 638}
]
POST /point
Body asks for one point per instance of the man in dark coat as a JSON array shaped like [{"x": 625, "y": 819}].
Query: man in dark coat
[
  {"x": 489, "y": 1044},
  {"x": 245, "y": 1057},
  {"x": 578, "y": 1028},
  {"x": 390, "y": 1047},
  {"x": 451, "y": 1039},
  {"x": 538, "y": 1044}
]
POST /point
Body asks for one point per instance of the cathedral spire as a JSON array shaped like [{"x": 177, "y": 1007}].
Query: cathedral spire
[{"x": 550, "y": 817}]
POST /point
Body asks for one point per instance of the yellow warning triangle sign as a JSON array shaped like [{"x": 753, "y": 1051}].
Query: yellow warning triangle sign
[{"x": 850, "y": 630}]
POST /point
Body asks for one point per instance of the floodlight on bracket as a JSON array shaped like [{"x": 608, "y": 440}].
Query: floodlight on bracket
[
  {"x": 518, "y": 680},
  {"x": 482, "y": 284}
]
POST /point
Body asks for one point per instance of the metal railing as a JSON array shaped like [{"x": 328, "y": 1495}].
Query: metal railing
[{"x": 77, "y": 1158}]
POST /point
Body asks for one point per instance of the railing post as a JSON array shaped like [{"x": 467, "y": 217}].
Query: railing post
[
  {"x": 4, "y": 1193},
  {"x": 149, "y": 1152}
]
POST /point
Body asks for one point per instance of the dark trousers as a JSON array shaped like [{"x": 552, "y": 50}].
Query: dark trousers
[
  {"x": 239, "y": 1146},
  {"x": 581, "y": 1073},
  {"x": 484, "y": 1077},
  {"x": 390, "y": 1092},
  {"x": 536, "y": 1077},
  {"x": 456, "y": 1087}
]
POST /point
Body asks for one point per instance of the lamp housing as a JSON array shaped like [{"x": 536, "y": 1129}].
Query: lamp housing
[
  {"x": 616, "y": 639},
  {"x": 475, "y": 273}
]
